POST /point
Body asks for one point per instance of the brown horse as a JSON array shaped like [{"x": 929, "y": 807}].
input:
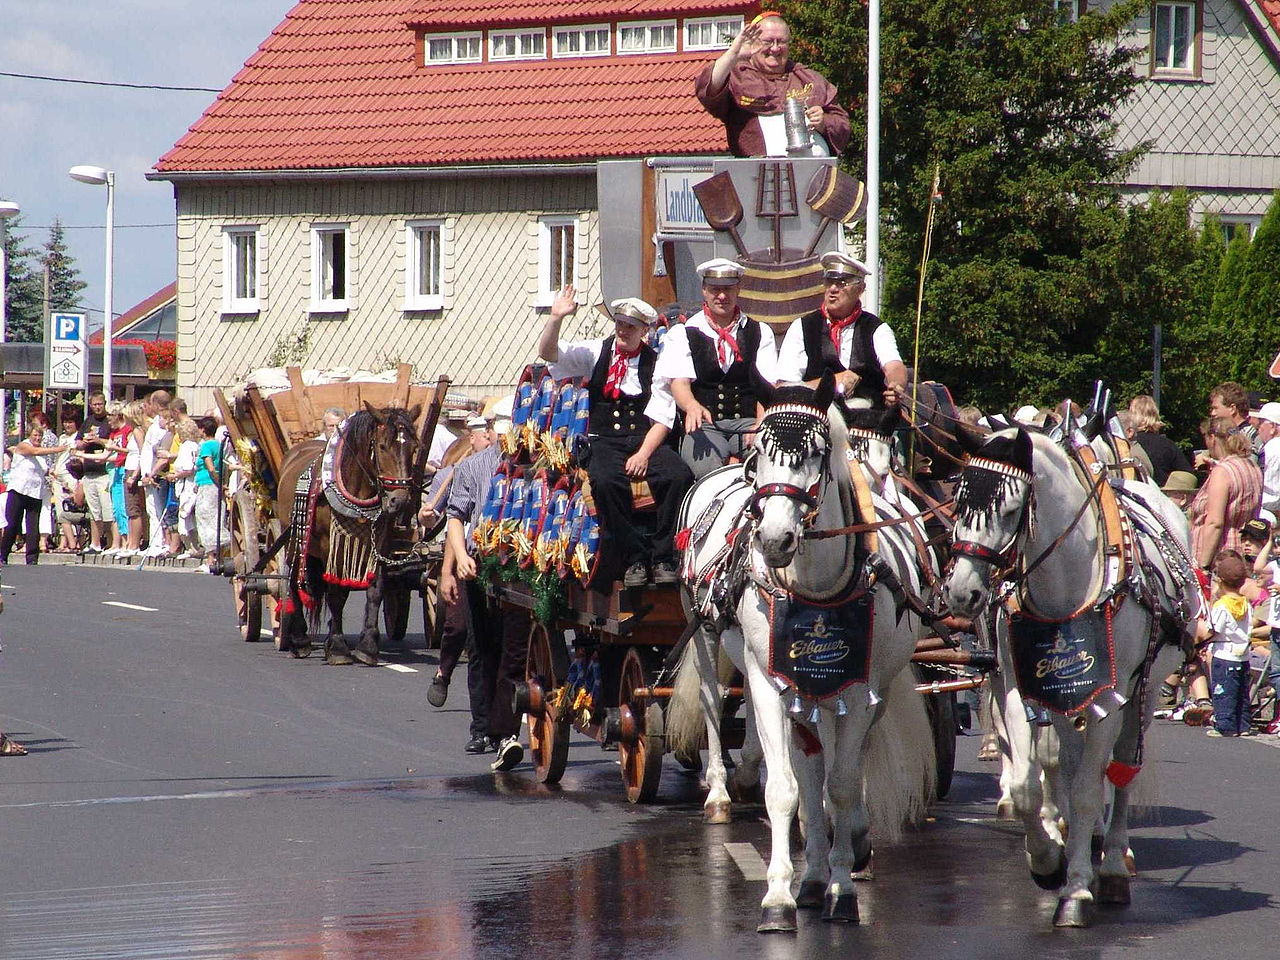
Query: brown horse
[{"x": 353, "y": 508}]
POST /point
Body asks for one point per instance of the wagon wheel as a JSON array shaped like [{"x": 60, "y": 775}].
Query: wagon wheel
[
  {"x": 242, "y": 535},
  {"x": 641, "y": 726},
  {"x": 547, "y": 666},
  {"x": 941, "y": 708}
]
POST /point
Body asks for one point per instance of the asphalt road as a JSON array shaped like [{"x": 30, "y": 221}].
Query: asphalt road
[{"x": 188, "y": 795}]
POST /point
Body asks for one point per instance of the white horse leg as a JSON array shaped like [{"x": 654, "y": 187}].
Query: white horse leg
[
  {"x": 746, "y": 776},
  {"x": 1026, "y": 791},
  {"x": 995, "y": 699},
  {"x": 1117, "y": 858},
  {"x": 1083, "y": 774},
  {"x": 781, "y": 795},
  {"x": 716, "y": 807},
  {"x": 849, "y": 826},
  {"x": 810, "y": 772}
]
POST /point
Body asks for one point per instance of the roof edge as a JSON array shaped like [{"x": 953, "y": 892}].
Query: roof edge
[
  {"x": 378, "y": 173},
  {"x": 1262, "y": 24}
]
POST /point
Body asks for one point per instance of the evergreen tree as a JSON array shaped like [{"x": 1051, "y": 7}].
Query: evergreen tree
[
  {"x": 24, "y": 292},
  {"x": 1256, "y": 333},
  {"x": 65, "y": 284},
  {"x": 1192, "y": 343},
  {"x": 1226, "y": 297}
]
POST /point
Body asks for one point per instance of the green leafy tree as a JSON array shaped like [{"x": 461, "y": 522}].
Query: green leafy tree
[
  {"x": 24, "y": 291},
  {"x": 1191, "y": 341},
  {"x": 65, "y": 284},
  {"x": 1226, "y": 297},
  {"x": 1255, "y": 336}
]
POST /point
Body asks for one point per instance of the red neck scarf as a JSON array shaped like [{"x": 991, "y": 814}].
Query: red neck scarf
[
  {"x": 618, "y": 370},
  {"x": 726, "y": 343},
  {"x": 837, "y": 327}
]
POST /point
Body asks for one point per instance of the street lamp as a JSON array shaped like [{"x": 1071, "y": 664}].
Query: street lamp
[
  {"x": 7, "y": 209},
  {"x": 98, "y": 176}
]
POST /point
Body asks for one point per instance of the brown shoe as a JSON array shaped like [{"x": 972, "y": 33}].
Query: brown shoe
[
  {"x": 11, "y": 748},
  {"x": 1198, "y": 714}
]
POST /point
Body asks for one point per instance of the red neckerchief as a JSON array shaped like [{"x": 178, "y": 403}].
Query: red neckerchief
[
  {"x": 724, "y": 338},
  {"x": 618, "y": 371},
  {"x": 836, "y": 327}
]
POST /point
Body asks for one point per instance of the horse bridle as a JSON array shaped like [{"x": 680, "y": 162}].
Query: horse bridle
[
  {"x": 1007, "y": 556},
  {"x": 810, "y": 498}
]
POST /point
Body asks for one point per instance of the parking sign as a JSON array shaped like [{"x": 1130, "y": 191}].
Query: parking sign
[{"x": 66, "y": 354}]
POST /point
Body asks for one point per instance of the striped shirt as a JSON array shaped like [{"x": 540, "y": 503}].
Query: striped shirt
[{"x": 470, "y": 487}]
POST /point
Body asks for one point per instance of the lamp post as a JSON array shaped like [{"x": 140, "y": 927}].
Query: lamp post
[
  {"x": 99, "y": 176},
  {"x": 7, "y": 209}
]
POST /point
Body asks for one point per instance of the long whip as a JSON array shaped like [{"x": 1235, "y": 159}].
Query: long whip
[{"x": 934, "y": 197}]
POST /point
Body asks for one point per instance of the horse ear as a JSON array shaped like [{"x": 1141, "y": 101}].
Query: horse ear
[
  {"x": 1022, "y": 450},
  {"x": 372, "y": 411},
  {"x": 415, "y": 412},
  {"x": 970, "y": 440},
  {"x": 826, "y": 390}
]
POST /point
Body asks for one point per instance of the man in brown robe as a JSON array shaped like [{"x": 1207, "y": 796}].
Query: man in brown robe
[{"x": 748, "y": 85}]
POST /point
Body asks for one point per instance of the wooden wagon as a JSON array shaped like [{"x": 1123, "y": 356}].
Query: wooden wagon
[{"x": 263, "y": 427}]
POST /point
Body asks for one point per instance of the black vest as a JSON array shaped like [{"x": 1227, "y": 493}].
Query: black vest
[
  {"x": 623, "y": 417},
  {"x": 822, "y": 356},
  {"x": 727, "y": 394}
]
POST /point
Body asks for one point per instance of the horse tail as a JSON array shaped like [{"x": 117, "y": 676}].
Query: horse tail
[
  {"x": 686, "y": 716},
  {"x": 313, "y": 577},
  {"x": 900, "y": 768}
]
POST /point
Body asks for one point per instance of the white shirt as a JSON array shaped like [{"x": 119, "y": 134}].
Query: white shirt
[
  {"x": 792, "y": 358},
  {"x": 1271, "y": 477},
  {"x": 1231, "y": 636},
  {"x": 578, "y": 358},
  {"x": 157, "y": 436},
  {"x": 28, "y": 475},
  {"x": 676, "y": 360},
  {"x": 441, "y": 441}
]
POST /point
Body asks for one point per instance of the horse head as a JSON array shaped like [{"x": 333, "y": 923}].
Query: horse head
[
  {"x": 994, "y": 506},
  {"x": 871, "y": 439},
  {"x": 791, "y": 464},
  {"x": 393, "y": 447}
]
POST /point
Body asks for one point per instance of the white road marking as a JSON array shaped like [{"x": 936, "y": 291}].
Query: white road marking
[
  {"x": 398, "y": 667},
  {"x": 749, "y": 861},
  {"x": 129, "y": 606},
  {"x": 269, "y": 634}
]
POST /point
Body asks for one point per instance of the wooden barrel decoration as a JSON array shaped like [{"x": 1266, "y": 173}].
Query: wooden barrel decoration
[
  {"x": 556, "y": 446},
  {"x": 581, "y": 420},
  {"x": 777, "y": 293}
]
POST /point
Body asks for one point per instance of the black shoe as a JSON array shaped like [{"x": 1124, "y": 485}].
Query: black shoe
[
  {"x": 637, "y": 575},
  {"x": 477, "y": 745},
  {"x": 509, "y": 754},
  {"x": 438, "y": 692},
  {"x": 666, "y": 572}
]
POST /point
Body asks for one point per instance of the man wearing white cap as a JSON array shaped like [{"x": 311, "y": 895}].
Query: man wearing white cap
[
  {"x": 628, "y": 434},
  {"x": 841, "y": 337},
  {"x": 1267, "y": 422},
  {"x": 709, "y": 365}
]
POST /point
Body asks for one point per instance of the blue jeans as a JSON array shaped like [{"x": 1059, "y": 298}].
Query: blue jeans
[
  {"x": 117, "y": 500},
  {"x": 1273, "y": 670},
  {"x": 1229, "y": 687}
]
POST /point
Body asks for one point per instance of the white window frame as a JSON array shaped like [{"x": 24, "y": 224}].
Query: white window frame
[
  {"x": 581, "y": 30},
  {"x": 1068, "y": 11},
  {"x": 1231, "y": 222},
  {"x": 520, "y": 37},
  {"x": 1192, "y": 67},
  {"x": 415, "y": 298},
  {"x": 321, "y": 269},
  {"x": 547, "y": 226},
  {"x": 719, "y": 27},
  {"x": 454, "y": 39},
  {"x": 232, "y": 268},
  {"x": 649, "y": 47}
]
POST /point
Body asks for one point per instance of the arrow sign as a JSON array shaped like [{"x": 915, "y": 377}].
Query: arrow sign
[{"x": 66, "y": 364}]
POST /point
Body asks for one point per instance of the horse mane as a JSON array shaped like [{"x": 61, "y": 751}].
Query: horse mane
[
  {"x": 358, "y": 432},
  {"x": 980, "y": 492}
]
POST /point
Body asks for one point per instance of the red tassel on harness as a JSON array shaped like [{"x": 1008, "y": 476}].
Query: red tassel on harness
[
  {"x": 1121, "y": 774},
  {"x": 807, "y": 740},
  {"x": 287, "y": 606},
  {"x": 682, "y": 539},
  {"x": 307, "y": 599},
  {"x": 350, "y": 584}
]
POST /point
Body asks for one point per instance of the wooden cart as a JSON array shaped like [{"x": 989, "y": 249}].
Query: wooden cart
[{"x": 263, "y": 427}]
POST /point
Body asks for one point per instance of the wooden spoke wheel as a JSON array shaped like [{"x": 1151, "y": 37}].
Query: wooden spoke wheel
[
  {"x": 547, "y": 667},
  {"x": 242, "y": 534},
  {"x": 641, "y": 724}
]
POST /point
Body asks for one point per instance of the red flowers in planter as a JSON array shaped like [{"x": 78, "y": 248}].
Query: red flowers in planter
[{"x": 161, "y": 354}]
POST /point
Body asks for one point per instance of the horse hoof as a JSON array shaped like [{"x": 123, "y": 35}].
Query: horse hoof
[
  {"x": 777, "y": 920},
  {"x": 1052, "y": 881},
  {"x": 300, "y": 650},
  {"x": 1071, "y": 912},
  {"x": 717, "y": 812},
  {"x": 1113, "y": 891},
  {"x": 862, "y": 856},
  {"x": 840, "y": 909},
  {"x": 369, "y": 660},
  {"x": 1006, "y": 811},
  {"x": 812, "y": 894},
  {"x": 743, "y": 794}
]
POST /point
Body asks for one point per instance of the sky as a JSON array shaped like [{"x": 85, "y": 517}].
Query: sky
[{"x": 47, "y": 128}]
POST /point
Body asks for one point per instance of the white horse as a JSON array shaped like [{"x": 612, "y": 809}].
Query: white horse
[
  {"x": 1078, "y": 550},
  {"x": 757, "y": 554}
]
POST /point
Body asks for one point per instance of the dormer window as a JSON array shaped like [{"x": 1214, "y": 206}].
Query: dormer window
[
  {"x": 517, "y": 44},
  {"x": 711, "y": 33},
  {"x": 653, "y": 36},
  {"x": 1175, "y": 39},
  {"x": 591, "y": 40},
  {"x": 451, "y": 48}
]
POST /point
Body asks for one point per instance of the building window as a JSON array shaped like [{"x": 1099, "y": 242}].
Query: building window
[
  {"x": 581, "y": 41},
  {"x": 1235, "y": 224},
  {"x": 451, "y": 48},
  {"x": 423, "y": 265},
  {"x": 1173, "y": 38},
  {"x": 1067, "y": 11},
  {"x": 330, "y": 268},
  {"x": 557, "y": 256},
  {"x": 656, "y": 36},
  {"x": 517, "y": 44},
  {"x": 711, "y": 33},
  {"x": 240, "y": 270}
]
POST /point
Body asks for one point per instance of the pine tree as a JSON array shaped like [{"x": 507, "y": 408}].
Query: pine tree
[
  {"x": 24, "y": 292},
  {"x": 65, "y": 284},
  {"x": 1192, "y": 342},
  {"x": 1256, "y": 334},
  {"x": 1226, "y": 297}
]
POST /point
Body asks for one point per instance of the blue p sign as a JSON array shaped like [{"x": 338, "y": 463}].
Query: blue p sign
[{"x": 66, "y": 326}]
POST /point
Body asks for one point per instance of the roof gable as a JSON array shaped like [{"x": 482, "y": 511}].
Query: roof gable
[{"x": 338, "y": 84}]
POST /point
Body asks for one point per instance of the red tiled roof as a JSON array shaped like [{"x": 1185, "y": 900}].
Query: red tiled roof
[
  {"x": 460, "y": 13},
  {"x": 337, "y": 85},
  {"x": 1271, "y": 10},
  {"x": 139, "y": 311}
]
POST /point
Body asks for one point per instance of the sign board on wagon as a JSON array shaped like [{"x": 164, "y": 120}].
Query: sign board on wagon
[{"x": 66, "y": 364}]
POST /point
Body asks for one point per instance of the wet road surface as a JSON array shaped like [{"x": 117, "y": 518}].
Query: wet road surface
[{"x": 189, "y": 796}]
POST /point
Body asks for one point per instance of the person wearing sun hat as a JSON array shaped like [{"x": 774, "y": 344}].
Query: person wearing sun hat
[
  {"x": 1267, "y": 422},
  {"x": 710, "y": 366},
  {"x": 628, "y": 431},
  {"x": 747, "y": 86},
  {"x": 841, "y": 337}
]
